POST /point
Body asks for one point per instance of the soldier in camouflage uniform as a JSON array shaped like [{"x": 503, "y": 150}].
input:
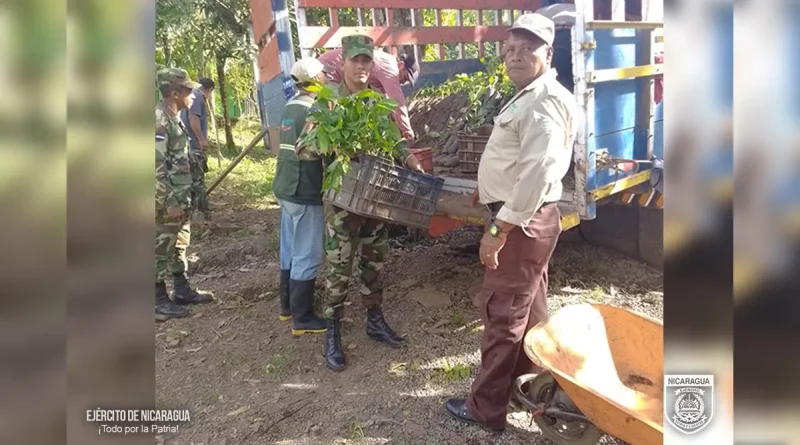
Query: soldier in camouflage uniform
[
  {"x": 173, "y": 203},
  {"x": 345, "y": 231}
]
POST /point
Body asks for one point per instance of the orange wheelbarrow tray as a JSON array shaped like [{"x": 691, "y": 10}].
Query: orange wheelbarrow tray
[{"x": 605, "y": 374}]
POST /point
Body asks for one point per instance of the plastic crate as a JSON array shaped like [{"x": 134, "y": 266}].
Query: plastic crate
[
  {"x": 374, "y": 188},
  {"x": 470, "y": 150},
  {"x": 425, "y": 157}
]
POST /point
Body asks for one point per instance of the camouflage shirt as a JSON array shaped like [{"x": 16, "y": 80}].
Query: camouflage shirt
[{"x": 173, "y": 171}]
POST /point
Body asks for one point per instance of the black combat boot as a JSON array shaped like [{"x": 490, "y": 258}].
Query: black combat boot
[
  {"x": 184, "y": 294},
  {"x": 304, "y": 320},
  {"x": 379, "y": 330},
  {"x": 285, "y": 292},
  {"x": 166, "y": 308},
  {"x": 334, "y": 355}
]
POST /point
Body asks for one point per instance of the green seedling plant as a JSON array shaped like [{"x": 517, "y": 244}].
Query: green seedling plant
[
  {"x": 345, "y": 127},
  {"x": 487, "y": 92}
]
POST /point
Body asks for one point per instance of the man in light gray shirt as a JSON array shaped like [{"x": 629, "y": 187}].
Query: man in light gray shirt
[{"x": 195, "y": 119}]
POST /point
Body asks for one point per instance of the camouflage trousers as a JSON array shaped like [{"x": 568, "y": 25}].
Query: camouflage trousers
[
  {"x": 172, "y": 240},
  {"x": 345, "y": 231},
  {"x": 199, "y": 166}
]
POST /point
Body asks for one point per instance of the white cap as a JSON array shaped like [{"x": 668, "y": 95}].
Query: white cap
[
  {"x": 538, "y": 25},
  {"x": 306, "y": 69}
]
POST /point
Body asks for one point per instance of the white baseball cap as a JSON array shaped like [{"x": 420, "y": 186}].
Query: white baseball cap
[
  {"x": 538, "y": 25},
  {"x": 307, "y": 69}
]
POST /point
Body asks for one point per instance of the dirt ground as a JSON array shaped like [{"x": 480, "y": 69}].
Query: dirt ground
[{"x": 248, "y": 381}]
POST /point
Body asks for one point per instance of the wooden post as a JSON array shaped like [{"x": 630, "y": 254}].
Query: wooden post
[
  {"x": 439, "y": 23},
  {"x": 300, "y": 14},
  {"x": 333, "y": 13},
  {"x": 414, "y": 24},
  {"x": 460, "y": 22},
  {"x": 390, "y": 24},
  {"x": 497, "y": 22},
  {"x": 481, "y": 46},
  {"x": 645, "y": 113},
  {"x": 618, "y": 10}
]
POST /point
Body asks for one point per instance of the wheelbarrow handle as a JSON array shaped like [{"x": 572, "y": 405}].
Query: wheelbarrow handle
[
  {"x": 538, "y": 409},
  {"x": 521, "y": 395}
]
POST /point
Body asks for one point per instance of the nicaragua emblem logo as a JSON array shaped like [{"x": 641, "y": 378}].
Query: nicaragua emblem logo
[{"x": 689, "y": 401}]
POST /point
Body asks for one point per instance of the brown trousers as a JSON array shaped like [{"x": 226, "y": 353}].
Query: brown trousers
[{"x": 514, "y": 300}]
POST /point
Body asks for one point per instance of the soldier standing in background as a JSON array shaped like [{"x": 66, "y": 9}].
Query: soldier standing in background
[{"x": 173, "y": 202}]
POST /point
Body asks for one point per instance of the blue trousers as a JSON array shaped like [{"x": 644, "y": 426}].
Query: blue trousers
[{"x": 302, "y": 248}]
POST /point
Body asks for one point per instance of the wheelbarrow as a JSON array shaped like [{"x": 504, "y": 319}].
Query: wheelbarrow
[{"x": 604, "y": 373}]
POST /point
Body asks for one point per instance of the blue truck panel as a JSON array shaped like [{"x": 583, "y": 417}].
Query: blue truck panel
[
  {"x": 658, "y": 132},
  {"x": 617, "y": 103}
]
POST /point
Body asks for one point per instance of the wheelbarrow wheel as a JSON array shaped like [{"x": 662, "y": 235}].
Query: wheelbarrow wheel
[{"x": 559, "y": 431}]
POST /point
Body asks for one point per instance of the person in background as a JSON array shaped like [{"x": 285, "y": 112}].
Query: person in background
[
  {"x": 388, "y": 75},
  {"x": 346, "y": 231},
  {"x": 173, "y": 202},
  {"x": 519, "y": 180},
  {"x": 195, "y": 119},
  {"x": 298, "y": 187}
]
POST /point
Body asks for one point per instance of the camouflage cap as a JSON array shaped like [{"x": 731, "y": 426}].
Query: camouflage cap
[
  {"x": 175, "y": 76},
  {"x": 357, "y": 45}
]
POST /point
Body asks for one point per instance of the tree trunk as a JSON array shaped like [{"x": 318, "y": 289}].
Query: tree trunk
[
  {"x": 223, "y": 97},
  {"x": 167, "y": 51},
  {"x": 420, "y": 21}
]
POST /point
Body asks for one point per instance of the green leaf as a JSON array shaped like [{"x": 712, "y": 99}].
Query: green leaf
[{"x": 324, "y": 141}]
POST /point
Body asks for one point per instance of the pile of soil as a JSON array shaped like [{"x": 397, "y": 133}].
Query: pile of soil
[{"x": 438, "y": 121}]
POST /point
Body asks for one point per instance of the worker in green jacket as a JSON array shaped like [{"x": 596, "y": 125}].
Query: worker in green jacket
[{"x": 298, "y": 188}]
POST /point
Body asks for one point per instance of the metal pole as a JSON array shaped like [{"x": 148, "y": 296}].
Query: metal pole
[{"x": 238, "y": 159}]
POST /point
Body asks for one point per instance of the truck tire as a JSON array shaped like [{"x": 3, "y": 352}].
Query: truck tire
[{"x": 636, "y": 232}]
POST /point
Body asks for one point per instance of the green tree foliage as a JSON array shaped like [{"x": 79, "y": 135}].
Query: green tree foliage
[{"x": 208, "y": 38}]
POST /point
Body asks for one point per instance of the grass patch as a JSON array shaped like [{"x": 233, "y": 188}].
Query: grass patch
[
  {"x": 274, "y": 240},
  {"x": 458, "y": 319},
  {"x": 249, "y": 185},
  {"x": 355, "y": 430},
  {"x": 235, "y": 360},
  {"x": 277, "y": 365},
  {"x": 597, "y": 294},
  {"x": 453, "y": 372}
]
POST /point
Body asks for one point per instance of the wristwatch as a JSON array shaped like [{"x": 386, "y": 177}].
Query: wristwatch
[{"x": 494, "y": 230}]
